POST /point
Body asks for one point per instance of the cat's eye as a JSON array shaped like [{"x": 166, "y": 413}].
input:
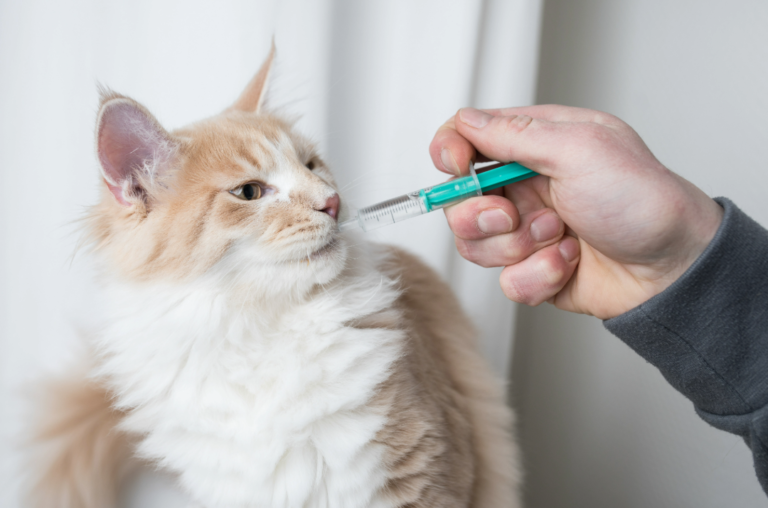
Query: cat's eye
[
  {"x": 311, "y": 164},
  {"x": 248, "y": 192}
]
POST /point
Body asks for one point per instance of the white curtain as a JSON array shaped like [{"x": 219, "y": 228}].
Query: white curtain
[{"x": 372, "y": 80}]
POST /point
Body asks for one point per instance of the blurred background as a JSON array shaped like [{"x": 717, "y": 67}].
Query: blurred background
[{"x": 371, "y": 82}]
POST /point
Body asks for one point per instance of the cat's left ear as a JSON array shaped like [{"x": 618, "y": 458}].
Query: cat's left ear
[{"x": 252, "y": 98}]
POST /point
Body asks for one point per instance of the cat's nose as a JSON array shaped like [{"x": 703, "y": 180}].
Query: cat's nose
[{"x": 331, "y": 206}]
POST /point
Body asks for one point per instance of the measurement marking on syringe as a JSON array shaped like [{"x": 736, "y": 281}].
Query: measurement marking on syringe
[{"x": 432, "y": 198}]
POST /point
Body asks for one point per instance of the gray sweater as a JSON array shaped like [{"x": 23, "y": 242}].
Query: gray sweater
[{"x": 708, "y": 333}]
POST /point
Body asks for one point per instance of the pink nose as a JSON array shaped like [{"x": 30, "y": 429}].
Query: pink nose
[{"x": 331, "y": 206}]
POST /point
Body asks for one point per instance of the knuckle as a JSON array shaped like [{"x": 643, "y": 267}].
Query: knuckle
[
  {"x": 518, "y": 288},
  {"x": 518, "y": 245},
  {"x": 593, "y": 138},
  {"x": 607, "y": 119},
  {"x": 511, "y": 126},
  {"x": 514, "y": 252},
  {"x": 517, "y": 293},
  {"x": 515, "y": 124},
  {"x": 484, "y": 263},
  {"x": 551, "y": 271},
  {"x": 461, "y": 222},
  {"x": 592, "y": 131},
  {"x": 471, "y": 251},
  {"x": 441, "y": 136},
  {"x": 465, "y": 249},
  {"x": 511, "y": 289}
]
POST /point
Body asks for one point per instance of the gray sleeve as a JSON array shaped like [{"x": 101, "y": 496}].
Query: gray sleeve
[{"x": 708, "y": 333}]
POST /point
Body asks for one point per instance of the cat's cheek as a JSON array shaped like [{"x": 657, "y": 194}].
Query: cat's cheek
[{"x": 325, "y": 174}]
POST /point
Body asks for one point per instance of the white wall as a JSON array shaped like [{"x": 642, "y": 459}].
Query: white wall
[{"x": 600, "y": 427}]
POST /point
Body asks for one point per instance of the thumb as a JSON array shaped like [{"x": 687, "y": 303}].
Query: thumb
[{"x": 533, "y": 142}]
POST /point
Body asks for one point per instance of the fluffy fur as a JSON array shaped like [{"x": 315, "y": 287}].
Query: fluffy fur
[{"x": 254, "y": 351}]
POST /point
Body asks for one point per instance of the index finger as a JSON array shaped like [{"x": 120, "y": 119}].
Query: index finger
[
  {"x": 450, "y": 151},
  {"x": 557, "y": 113}
]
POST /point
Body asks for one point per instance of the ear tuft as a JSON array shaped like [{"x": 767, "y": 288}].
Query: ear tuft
[
  {"x": 133, "y": 148},
  {"x": 106, "y": 94},
  {"x": 252, "y": 97}
]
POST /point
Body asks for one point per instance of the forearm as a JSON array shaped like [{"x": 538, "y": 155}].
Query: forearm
[{"x": 708, "y": 332}]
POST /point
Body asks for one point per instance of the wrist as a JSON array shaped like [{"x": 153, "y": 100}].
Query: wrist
[{"x": 697, "y": 225}]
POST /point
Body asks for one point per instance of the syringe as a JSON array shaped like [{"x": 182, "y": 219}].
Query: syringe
[{"x": 439, "y": 196}]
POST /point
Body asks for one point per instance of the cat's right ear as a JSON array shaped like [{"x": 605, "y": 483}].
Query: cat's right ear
[
  {"x": 133, "y": 148},
  {"x": 252, "y": 97}
]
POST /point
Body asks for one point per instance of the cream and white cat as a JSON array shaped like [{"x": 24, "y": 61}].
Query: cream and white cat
[{"x": 255, "y": 352}]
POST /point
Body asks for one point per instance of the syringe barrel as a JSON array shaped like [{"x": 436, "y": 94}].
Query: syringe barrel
[
  {"x": 465, "y": 187},
  {"x": 449, "y": 192},
  {"x": 436, "y": 197},
  {"x": 391, "y": 211}
]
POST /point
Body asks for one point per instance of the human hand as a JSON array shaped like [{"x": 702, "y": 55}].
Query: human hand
[{"x": 605, "y": 227}]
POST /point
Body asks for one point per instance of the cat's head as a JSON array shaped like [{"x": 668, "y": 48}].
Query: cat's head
[{"x": 238, "y": 197}]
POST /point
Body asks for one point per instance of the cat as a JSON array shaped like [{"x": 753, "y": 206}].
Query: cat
[{"x": 254, "y": 351}]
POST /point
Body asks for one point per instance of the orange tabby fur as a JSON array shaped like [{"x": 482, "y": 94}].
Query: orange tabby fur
[
  {"x": 448, "y": 433},
  {"x": 79, "y": 453},
  {"x": 478, "y": 471}
]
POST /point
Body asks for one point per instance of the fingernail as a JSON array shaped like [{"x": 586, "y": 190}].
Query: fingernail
[
  {"x": 545, "y": 227},
  {"x": 474, "y": 117},
  {"x": 569, "y": 248},
  {"x": 494, "y": 221},
  {"x": 448, "y": 162}
]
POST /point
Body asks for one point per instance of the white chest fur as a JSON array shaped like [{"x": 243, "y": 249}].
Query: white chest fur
[{"x": 254, "y": 407}]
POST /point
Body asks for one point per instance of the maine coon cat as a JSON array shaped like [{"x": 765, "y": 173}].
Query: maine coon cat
[{"x": 254, "y": 351}]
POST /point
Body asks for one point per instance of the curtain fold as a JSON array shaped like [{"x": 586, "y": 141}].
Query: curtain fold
[{"x": 505, "y": 72}]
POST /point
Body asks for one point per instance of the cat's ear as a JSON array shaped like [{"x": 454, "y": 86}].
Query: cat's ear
[
  {"x": 253, "y": 96},
  {"x": 134, "y": 150}
]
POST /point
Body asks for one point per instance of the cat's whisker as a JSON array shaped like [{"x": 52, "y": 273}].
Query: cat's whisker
[{"x": 355, "y": 180}]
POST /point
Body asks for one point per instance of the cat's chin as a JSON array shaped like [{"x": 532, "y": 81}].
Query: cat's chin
[
  {"x": 283, "y": 274},
  {"x": 326, "y": 263},
  {"x": 329, "y": 249}
]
